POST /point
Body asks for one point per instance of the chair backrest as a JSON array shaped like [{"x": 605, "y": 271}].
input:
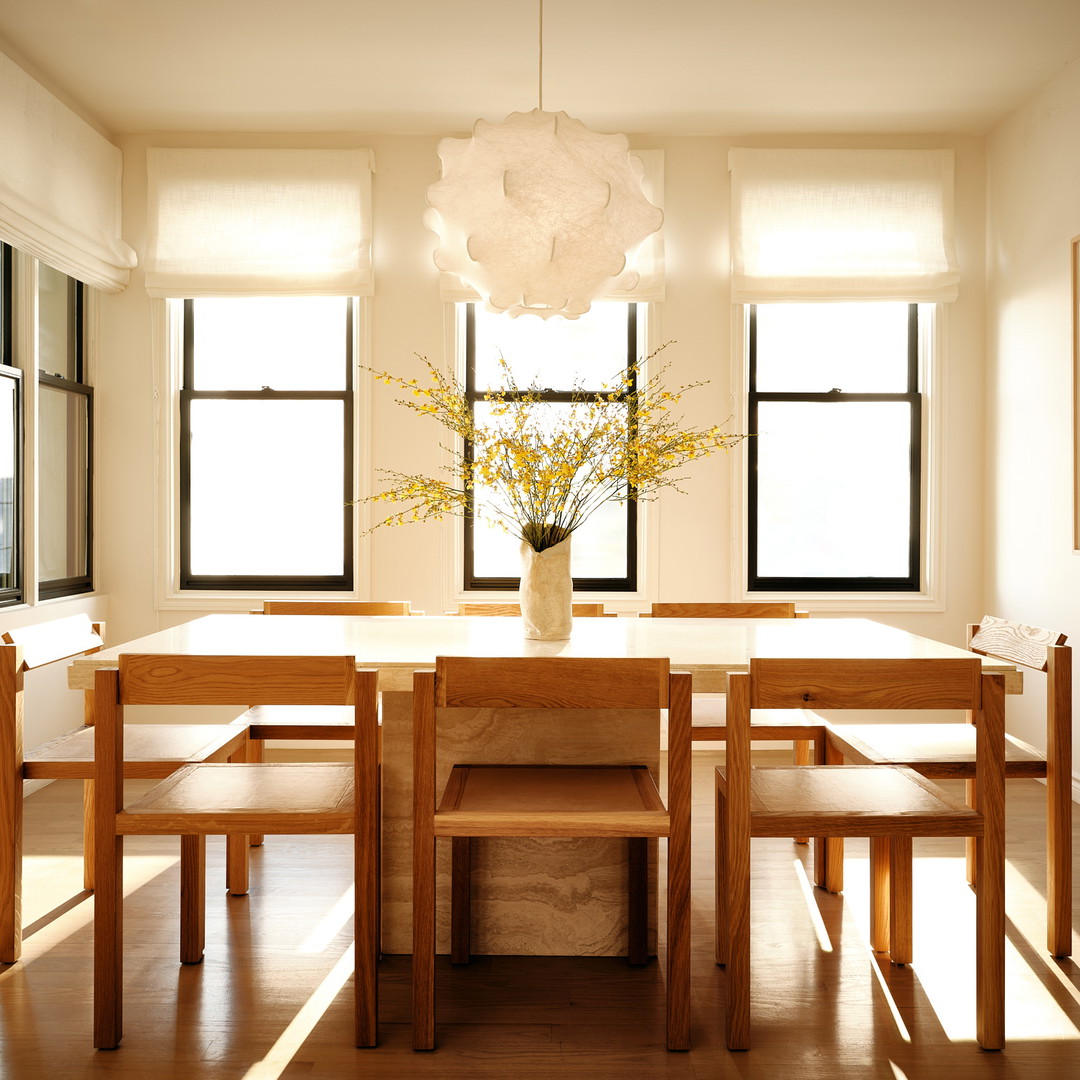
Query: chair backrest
[
  {"x": 58, "y": 639},
  {"x": 921, "y": 683},
  {"x": 148, "y": 679},
  {"x": 553, "y": 682},
  {"x": 735, "y": 610},
  {"x": 581, "y": 611},
  {"x": 336, "y": 607},
  {"x": 1030, "y": 646}
]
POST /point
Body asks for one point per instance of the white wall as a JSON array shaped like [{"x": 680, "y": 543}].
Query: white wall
[
  {"x": 696, "y": 535},
  {"x": 1033, "y": 569}
]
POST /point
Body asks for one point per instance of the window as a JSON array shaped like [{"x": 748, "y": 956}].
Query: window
[
  {"x": 266, "y": 443},
  {"x": 10, "y": 445},
  {"x": 560, "y": 355},
  {"x": 64, "y": 428},
  {"x": 835, "y": 467}
]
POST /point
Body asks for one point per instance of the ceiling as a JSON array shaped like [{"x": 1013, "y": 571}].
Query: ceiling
[{"x": 647, "y": 66}]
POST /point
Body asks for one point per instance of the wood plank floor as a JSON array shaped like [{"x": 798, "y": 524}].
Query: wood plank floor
[{"x": 270, "y": 1000}]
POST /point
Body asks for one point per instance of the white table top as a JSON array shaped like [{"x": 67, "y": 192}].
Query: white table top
[{"x": 398, "y": 645}]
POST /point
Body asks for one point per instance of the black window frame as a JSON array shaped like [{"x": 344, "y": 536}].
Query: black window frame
[
  {"x": 472, "y": 582},
  {"x": 343, "y": 582},
  {"x": 912, "y": 581},
  {"x": 13, "y": 594},
  {"x": 51, "y": 588}
]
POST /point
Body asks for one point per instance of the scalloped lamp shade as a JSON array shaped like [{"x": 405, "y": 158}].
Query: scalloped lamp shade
[{"x": 539, "y": 214}]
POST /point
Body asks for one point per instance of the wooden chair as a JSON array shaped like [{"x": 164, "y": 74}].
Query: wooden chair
[
  {"x": 802, "y": 728},
  {"x": 580, "y": 611},
  {"x": 888, "y": 804},
  {"x": 153, "y": 751},
  {"x": 205, "y": 799},
  {"x": 338, "y": 607},
  {"x": 941, "y": 751},
  {"x": 553, "y": 800}
]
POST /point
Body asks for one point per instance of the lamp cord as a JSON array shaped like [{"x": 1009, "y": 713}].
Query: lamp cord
[{"x": 540, "y": 53}]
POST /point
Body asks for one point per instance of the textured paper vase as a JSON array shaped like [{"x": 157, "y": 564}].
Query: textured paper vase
[{"x": 546, "y": 591}]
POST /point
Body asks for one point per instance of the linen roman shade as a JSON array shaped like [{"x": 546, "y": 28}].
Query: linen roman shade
[
  {"x": 224, "y": 222},
  {"x": 59, "y": 185},
  {"x": 648, "y": 260},
  {"x": 842, "y": 225}
]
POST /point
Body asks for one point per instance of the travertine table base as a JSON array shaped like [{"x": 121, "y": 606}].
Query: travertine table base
[{"x": 530, "y": 896}]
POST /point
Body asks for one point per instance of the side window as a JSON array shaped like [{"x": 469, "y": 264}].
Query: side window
[
  {"x": 266, "y": 443},
  {"x": 835, "y": 467},
  {"x": 561, "y": 356},
  {"x": 10, "y": 446},
  {"x": 64, "y": 439}
]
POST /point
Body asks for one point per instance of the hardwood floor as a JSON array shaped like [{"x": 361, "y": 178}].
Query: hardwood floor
[{"x": 270, "y": 999}]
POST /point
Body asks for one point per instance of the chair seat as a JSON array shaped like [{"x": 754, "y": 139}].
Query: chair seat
[
  {"x": 935, "y": 750},
  {"x": 891, "y": 801},
  {"x": 710, "y": 721},
  {"x": 236, "y": 798},
  {"x": 151, "y": 751},
  {"x": 298, "y": 721},
  {"x": 551, "y": 800}
]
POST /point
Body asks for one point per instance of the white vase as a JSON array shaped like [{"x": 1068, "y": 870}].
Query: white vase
[{"x": 546, "y": 591}]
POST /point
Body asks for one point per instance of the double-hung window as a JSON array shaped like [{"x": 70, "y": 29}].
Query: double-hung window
[
  {"x": 64, "y": 438},
  {"x": 559, "y": 356},
  {"x": 835, "y": 465},
  {"x": 266, "y": 443},
  {"x": 10, "y": 445}
]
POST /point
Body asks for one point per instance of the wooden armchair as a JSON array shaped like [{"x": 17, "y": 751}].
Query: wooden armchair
[
  {"x": 888, "y": 804},
  {"x": 579, "y": 611},
  {"x": 553, "y": 800},
  {"x": 233, "y": 798}
]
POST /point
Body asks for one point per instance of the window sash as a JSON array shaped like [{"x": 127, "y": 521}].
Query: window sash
[{"x": 912, "y": 398}]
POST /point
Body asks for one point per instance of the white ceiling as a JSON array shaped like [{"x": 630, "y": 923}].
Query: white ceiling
[{"x": 647, "y": 66}]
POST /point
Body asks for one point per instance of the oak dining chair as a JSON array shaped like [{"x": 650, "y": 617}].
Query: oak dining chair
[
  {"x": 153, "y": 750},
  {"x": 554, "y": 800},
  {"x": 233, "y": 798},
  {"x": 888, "y": 804},
  {"x": 943, "y": 751},
  {"x": 578, "y": 610}
]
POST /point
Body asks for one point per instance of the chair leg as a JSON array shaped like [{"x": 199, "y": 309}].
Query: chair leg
[
  {"x": 423, "y": 959},
  {"x": 88, "y": 835},
  {"x": 109, "y": 944},
  {"x": 256, "y": 753},
  {"x": 720, "y": 872},
  {"x": 237, "y": 864},
  {"x": 460, "y": 900},
  {"x": 901, "y": 942},
  {"x": 637, "y": 893},
  {"x": 11, "y": 831},
  {"x": 804, "y": 755},
  {"x": 678, "y": 941},
  {"x": 829, "y": 850},
  {"x": 879, "y": 893},
  {"x": 1059, "y": 813},
  {"x": 192, "y": 899}
]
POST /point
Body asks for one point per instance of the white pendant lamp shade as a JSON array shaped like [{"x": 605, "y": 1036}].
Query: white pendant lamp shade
[{"x": 539, "y": 214}]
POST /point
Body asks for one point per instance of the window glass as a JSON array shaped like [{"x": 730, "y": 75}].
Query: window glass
[
  {"x": 58, "y": 326},
  {"x": 64, "y": 479},
  {"x": 10, "y": 555},
  {"x": 285, "y": 343},
  {"x": 858, "y": 348}
]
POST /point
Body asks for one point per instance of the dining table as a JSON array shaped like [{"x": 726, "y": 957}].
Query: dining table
[{"x": 539, "y": 896}]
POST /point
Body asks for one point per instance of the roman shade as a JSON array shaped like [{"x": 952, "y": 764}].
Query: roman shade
[
  {"x": 648, "y": 260},
  {"x": 842, "y": 225},
  {"x": 59, "y": 185},
  {"x": 225, "y": 222}
]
